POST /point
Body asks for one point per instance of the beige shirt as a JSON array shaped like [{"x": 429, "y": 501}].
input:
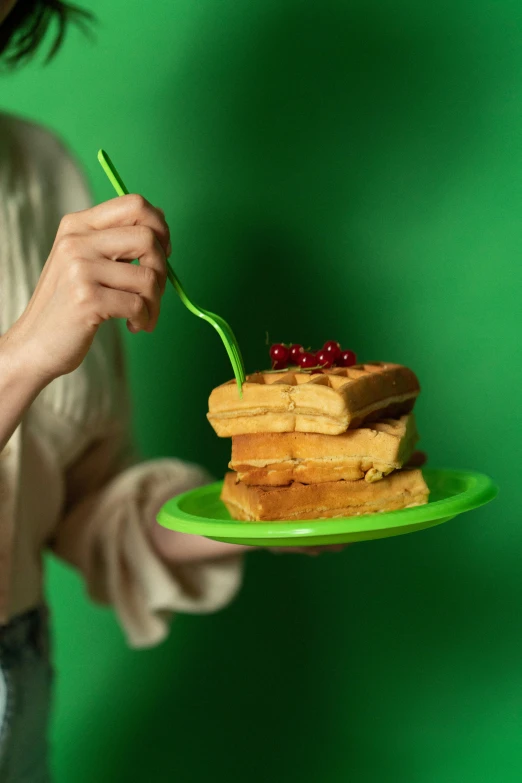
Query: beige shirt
[{"x": 68, "y": 476}]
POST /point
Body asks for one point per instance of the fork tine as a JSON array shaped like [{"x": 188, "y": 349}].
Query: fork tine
[
  {"x": 239, "y": 358},
  {"x": 237, "y": 351},
  {"x": 234, "y": 354},
  {"x": 240, "y": 363},
  {"x": 231, "y": 337},
  {"x": 239, "y": 370}
]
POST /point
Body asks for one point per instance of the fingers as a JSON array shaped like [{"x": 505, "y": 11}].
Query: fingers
[
  {"x": 318, "y": 550},
  {"x": 417, "y": 459},
  {"x": 315, "y": 551},
  {"x": 131, "y": 278},
  {"x": 334, "y": 548},
  {"x": 131, "y": 210},
  {"x": 128, "y": 243},
  {"x": 110, "y": 303},
  {"x": 311, "y": 551}
]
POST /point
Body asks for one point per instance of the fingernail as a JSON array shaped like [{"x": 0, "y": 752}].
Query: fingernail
[{"x": 169, "y": 249}]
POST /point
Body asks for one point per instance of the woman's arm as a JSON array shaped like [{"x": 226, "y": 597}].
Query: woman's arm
[
  {"x": 19, "y": 386},
  {"x": 82, "y": 285}
]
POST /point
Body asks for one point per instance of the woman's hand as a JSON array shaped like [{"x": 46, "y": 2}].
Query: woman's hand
[
  {"x": 184, "y": 548},
  {"x": 311, "y": 551},
  {"x": 86, "y": 281}
]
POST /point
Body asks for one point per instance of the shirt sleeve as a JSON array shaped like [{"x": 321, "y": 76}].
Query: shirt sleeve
[{"x": 112, "y": 500}]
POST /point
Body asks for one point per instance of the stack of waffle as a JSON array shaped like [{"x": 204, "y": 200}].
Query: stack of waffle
[{"x": 314, "y": 445}]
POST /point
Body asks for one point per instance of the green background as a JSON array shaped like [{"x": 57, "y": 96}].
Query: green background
[{"x": 332, "y": 169}]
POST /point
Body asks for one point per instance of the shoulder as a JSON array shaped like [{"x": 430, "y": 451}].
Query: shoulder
[
  {"x": 36, "y": 142},
  {"x": 40, "y": 155}
]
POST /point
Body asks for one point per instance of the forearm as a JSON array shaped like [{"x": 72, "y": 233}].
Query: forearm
[
  {"x": 18, "y": 386},
  {"x": 181, "y": 548}
]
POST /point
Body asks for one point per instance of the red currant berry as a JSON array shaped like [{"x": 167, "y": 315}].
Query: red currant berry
[
  {"x": 279, "y": 366},
  {"x": 347, "y": 359},
  {"x": 333, "y": 349},
  {"x": 307, "y": 360},
  {"x": 279, "y": 354},
  {"x": 295, "y": 352},
  {"x": 324, "y": 359}
]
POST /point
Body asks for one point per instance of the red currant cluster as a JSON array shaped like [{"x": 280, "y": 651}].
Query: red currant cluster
[{"x": 294, "y": 355}]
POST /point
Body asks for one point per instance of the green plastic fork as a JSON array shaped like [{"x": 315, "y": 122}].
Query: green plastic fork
[{"x": 219, "y": 324}]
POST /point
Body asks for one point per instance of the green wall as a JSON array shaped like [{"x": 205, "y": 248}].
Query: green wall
[{"x": 330, "y": 169}]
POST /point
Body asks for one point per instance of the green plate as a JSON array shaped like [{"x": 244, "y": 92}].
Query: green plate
[{"x": 202, "y": 513}]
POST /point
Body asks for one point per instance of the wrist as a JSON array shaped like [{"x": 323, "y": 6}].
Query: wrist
[{"x": 18, "y": 365}]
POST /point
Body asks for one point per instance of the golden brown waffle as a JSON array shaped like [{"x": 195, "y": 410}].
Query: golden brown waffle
[
  {"x": 278, "y": 459},
  {"x": 401, "y": 489},
  {"x": 328, "y": 402}
]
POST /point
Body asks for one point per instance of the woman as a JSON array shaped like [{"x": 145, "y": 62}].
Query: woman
[{"x": 68, "y": 475}]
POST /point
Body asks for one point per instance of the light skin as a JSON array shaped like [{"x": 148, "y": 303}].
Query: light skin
[{"x": 87, "y": 280}]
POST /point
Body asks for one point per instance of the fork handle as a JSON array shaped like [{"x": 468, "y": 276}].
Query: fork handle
[{"x": 121, "y": 189}]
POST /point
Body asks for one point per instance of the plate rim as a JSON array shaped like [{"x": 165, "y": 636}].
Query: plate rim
[{"x": 482, "y": 490}]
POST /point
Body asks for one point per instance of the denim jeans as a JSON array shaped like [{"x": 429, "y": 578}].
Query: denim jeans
[{"x": 25, "y": 697}]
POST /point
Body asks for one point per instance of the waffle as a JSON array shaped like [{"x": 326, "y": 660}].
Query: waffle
[
  {"x": 278, "y": 459},
  {"x": 327, "y": 402},
  {"x": 401, "y": 489}
]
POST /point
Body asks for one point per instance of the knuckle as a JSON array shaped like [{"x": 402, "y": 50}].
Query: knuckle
[
  {"x": 83, "y": 294},
  {"x": 67, "y": 245},
  {"x": 147, "y": 236},
  {"x": 66, "y": 224},
  {"x": 149, "y": 277},
  {"x": 136, "y": 202},
  {"x": 136, "y": 305},
  {"x": 76, "y": 270},
  {"x": 163, "y": 220}
]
